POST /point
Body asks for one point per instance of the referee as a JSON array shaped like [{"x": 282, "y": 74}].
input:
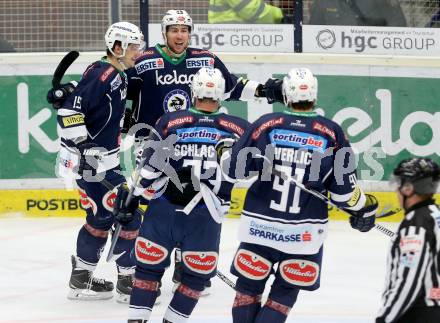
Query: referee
[{"x": 412, "y": 290}]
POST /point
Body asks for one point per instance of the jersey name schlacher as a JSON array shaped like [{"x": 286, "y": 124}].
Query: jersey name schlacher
[{"x": 193, "y": 155}]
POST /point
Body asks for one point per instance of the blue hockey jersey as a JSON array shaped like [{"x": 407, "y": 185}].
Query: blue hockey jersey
[
  {"x": 93, "y": 113},
  {"x": 191, "y": 151},
  {"x": 162, "y": 83},
  {"x": 312, "y": 150}
]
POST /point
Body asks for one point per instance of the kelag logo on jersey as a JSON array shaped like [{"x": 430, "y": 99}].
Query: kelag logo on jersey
[
  {"x": 200, "y": 62},
  {"x": 200, "y": 134},
  {"x": 149, "y": 64},
  {"x": 297, "y": 139}
]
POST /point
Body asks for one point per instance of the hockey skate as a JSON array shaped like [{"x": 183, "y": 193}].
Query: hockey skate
[
  {"x": 85, "y": 287},
  {"x": 124, "y": 286}
]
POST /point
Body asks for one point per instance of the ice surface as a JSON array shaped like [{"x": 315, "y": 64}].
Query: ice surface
[{"x": 35, "y": 268}]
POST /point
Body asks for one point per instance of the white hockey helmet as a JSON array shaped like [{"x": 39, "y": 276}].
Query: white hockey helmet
[
  {"x": 208, "y": 83},
  {"x": 125, "y": 32},
  {"x": 299, "y": 85},
  {"x": 176, "y": 17}
]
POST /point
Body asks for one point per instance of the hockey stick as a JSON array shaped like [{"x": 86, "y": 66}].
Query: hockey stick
[
  {"x": 325, "y": 199},
  {"x": 118, "y": 227},
  {"x": 62, "y": 67}
]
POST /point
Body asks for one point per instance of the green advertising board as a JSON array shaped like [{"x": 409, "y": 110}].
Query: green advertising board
[{"x": 385, "y": 118}]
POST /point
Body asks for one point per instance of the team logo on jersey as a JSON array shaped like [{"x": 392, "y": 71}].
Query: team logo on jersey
[
  {"x": 299, "y": 272},
  {"x": 251, "y": 265},
  {"x": 86, "y": 202},
  {"x": 200, "y": 134},
  {"x": 297, "y": 139},
  {"x": 149, "y": 252},
  {"x": 149, "y": 64},
  {"x": 200, "y": 62},
  {"x": 116, "y": 82},
  {"x": 200, "y": 262},
  {"x": 108, "y": 200},
  {"x": 176, "y": 100},
  {"x": 268, "y": 124}
]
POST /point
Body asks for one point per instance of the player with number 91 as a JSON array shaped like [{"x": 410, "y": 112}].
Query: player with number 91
[{"x": 280, "y": 223}]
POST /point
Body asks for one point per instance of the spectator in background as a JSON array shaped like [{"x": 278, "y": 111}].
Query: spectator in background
[
  {"x": 250, "y": 11},
  {"x": 357, "y": 13},
  {"x": 5, "y": 46}
]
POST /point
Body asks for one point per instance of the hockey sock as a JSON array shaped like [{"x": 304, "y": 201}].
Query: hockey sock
[
  {"x": 245, "y": 308},
  {"x": 274, "y": 311},
  {"x": 182, "y": 304},
  {"x": 125, "y": 245},
  {"x": 142, "y": 299},
  {"x": 90, "y": 244}
]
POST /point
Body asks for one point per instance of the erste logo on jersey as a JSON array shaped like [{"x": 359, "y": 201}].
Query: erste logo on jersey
[
  {"x": 176, "y": 100},
  {"x": 297, "y": 139},
  {"x": 200, "y": 134},
  {"x": 200, "y": 62},
  {"x": 149, "y": 64},
  {"x": 299, "y": 272}
]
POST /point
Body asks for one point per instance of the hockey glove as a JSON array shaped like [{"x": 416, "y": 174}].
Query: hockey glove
[
  {"x": 57, "y": 96},
  {"x": 271, "y": 90},
  {"x": 88, "y": 162},
  {"x": 124, "y": 214},
  {"x": 363, "y": 220}
]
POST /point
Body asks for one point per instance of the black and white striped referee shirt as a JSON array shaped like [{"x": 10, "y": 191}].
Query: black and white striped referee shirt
[{"x": 413, "y": 266}]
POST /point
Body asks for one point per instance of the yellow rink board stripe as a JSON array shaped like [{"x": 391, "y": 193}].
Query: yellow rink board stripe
[{"x": 65, "y": 203}]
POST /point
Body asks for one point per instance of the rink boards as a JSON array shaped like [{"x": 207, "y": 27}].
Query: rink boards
[
  {"x": 387, "y": 105},
  {"x": 66, "y": 203}
]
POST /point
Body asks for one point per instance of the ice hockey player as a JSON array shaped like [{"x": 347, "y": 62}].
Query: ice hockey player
[
  {"x": 162, "y": 75},
  {"x": 160, "y": 80},
  {"x": 90, "y": 120},
  {"x": 412, "y": 286},
  {"x": 281, "y": 224},
  {"x": 191, "y": 209}
]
